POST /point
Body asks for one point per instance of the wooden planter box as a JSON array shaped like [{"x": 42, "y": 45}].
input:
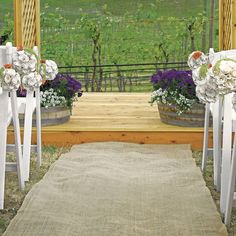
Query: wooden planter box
[
  {"x": 192, "y": 118},
  {"x": 51, "y": 116}
]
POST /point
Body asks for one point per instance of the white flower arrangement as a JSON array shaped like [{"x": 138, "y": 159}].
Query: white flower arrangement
[
  {"x": 9, "y": 78},
  {"x": 224, "y": 72},
  {"x": 166, "y": 97},
  {"x": 159, "y": 96},
  {"x": 212, "y": 81},
  {"x": 26, "y": 70},
  {"x": 31, "y": 81},
  {"x": 197, "y": 59},
  {"x": 50, "y": 98},
  {"x": 24, "y": 61},
  {"x": 48, "y": 69}
]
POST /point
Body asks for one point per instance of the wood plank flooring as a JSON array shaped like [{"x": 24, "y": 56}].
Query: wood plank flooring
[{"x": 117, "y": 117}]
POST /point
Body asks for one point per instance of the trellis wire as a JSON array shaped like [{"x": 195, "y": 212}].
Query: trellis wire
[{"x": 120, "y": 77}]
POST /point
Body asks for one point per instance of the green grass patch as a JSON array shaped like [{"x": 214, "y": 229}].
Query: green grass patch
[{"x": 208, "y": 177}]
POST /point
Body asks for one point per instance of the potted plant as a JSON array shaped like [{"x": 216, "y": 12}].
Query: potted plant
[
  {"x": 175, "y": 94},
  {"x": 66, "y": 88},
  {"x": 57, "y": 98}
]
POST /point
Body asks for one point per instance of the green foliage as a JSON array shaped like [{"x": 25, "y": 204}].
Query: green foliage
[
  {"x": 116, "y": 32},
  {"x": 7, "y": 27},
  {"x": 203, "y": 70}
]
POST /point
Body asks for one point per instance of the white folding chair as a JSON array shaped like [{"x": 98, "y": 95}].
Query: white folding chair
[
  {"x": 9, "y": 111},
  {"x": 224, "y": 166}
]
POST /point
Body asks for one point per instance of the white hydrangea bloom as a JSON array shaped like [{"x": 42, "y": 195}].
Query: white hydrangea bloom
[
  {"x": 207, "y": 92},
  {"x": 32, "y": 81},
  {"x": 24, "y": 62},
  {"x": 224, "y": 72},
  {"x": 197, "y": 59},
  {"x": 49, "y": 70},
  {"x": 10, "y": 79}
]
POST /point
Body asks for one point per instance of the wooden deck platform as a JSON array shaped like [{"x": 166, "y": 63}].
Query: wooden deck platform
[{"x": 124, "y": 117}]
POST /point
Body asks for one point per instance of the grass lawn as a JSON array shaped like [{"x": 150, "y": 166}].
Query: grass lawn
[
  {"x": 208, "y": 177},
  {"x": 14, "y": 197}
]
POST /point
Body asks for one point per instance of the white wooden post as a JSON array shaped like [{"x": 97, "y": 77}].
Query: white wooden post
[
  {"x": 231, "y": 187},
  {"x": 38, "y": 127},
  {"x": 226, "y": 151},
  {"x": 38, "y": 120},
  {"x": 29, "y": 108},
  {"x": 217, "y": 133},
  {"x": 4, "y": 104},
  {"x": 205, "y": 138},
  {"x": 16, "y": 123}
]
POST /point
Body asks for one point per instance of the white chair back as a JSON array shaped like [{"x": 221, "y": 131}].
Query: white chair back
[{"x": 9, "y": 105}]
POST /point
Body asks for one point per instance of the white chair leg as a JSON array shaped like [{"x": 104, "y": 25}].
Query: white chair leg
[
  {"x": 226, "y": 151},
  {"x": 3, "y": 143},
  {"x": 205, "y": 138},
  {"x": 217, "y": 133},
  {"x": 18, "y": 149},
  {"x": 38, "y": 128},
  {"x": 231, "y": 187},
  {"x": 27, "y": 133}
]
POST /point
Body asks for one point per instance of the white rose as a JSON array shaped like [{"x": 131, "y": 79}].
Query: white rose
[
  {"x": 23, "y": 58},
  {"x": 32, "y": 65},
  {"x": 7, "y": 79},
  {"x": 233, "y": 73},
  {"x": 49, "y": 69},
  {"x": 31, "y": 81},
  {"x": 226, "y": 66},
  {"x": 15, "y": 80}
]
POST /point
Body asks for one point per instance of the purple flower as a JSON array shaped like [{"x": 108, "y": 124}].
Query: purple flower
[
  {"x": 174, "y": 80},
  {"x": 21, "y": 92},
  {"x": 65, "y": 86}
]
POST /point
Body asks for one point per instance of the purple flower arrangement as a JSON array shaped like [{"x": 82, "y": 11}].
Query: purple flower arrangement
[
  {"x": 174, "y": 87},
  {"x": 66, "y": 86},
  {"x": 173, "y": 80}
]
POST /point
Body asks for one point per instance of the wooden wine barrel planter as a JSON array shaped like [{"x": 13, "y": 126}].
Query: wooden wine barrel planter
[
  {"x": 51, "y": 116},
  {"x": 192, "y": 118}
]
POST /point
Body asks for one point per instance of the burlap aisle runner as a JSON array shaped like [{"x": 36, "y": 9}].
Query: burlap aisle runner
[{"x": 114, "y": 189}]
